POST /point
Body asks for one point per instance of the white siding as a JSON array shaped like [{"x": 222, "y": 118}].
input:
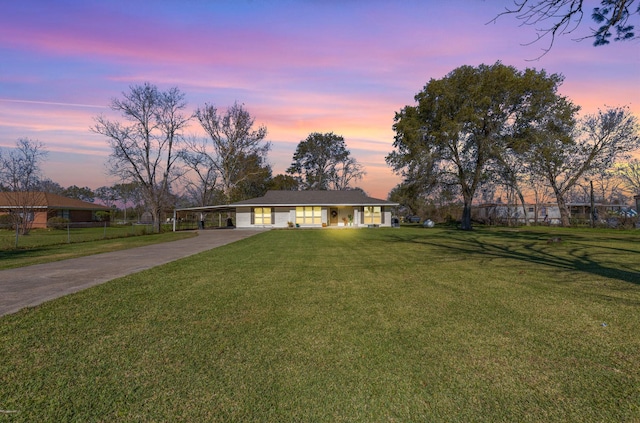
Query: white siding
[
  {"x": 386, "y": 219},
  {"x": 243, "y": 217},
  {"x": 281, "y": 218},
  {"x": 284, "y": 215}
]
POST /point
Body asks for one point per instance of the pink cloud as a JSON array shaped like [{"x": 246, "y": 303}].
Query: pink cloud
[{"x": 298, "y": 68}]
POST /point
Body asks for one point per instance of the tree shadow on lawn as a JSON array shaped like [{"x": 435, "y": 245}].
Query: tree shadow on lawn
[
  {"x": 538, "y": 248},
  {"x": 19, "y": 252}
]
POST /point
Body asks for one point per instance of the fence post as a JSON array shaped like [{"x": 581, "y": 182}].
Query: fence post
[
  {"x": 17, "y": 233},
  {"x": 68, "y": 233},
  {"x": 104, "y": 233}
]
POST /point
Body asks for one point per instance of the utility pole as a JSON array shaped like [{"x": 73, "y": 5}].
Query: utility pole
[{"x": 593, "y": 213}]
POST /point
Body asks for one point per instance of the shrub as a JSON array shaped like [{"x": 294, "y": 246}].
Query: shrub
[
  {"x": 6, "y": 221},
  {"x": 57, "y": 222}
]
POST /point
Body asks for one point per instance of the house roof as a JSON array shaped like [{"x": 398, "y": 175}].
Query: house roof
[
  {"x": 314, "y": 198},
  {"x": 45, "y": 200}
]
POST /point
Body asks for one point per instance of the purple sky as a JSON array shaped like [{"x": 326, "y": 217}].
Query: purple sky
[{"x": 298, "y": 66}]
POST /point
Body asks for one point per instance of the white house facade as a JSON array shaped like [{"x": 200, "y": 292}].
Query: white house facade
[
  {"x": 312, "y": 209},
  {"x": 304, "y": 209}
]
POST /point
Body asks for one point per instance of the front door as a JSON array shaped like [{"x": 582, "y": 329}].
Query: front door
[{"x": 333, "y": 217}]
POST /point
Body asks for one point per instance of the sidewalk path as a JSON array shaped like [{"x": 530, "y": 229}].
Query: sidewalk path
[{"x": 32, "y": 285}]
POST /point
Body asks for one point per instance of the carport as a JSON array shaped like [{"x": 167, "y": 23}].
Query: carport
[{"x": 221, "y": 209}]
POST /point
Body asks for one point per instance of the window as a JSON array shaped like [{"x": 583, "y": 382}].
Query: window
[
  {"x": 64, "y": 213},
  {"x": 309, "y": 215},
  {"x": 262, "y": 216},
  {"x": 372, "y": 215},
  {"x": 28, "y": 216}
]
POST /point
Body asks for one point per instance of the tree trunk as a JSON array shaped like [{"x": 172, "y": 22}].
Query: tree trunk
[
  {"x": 466, "y": 216},
  {"x": 524, "y": 208},
  {"x": 155, "y": 214},
  {"x": 564, "y": 211}
]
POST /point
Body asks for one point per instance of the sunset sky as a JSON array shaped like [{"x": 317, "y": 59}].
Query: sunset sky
[{"x": 297, "y": 66}]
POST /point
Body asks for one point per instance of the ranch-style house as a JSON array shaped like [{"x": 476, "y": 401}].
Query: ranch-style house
[
  {"x": 308, "y": 209},
  {"x": 39, "y": 207}
]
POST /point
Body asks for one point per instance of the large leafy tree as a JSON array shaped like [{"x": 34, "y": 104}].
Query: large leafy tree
[
  {"x": 560, "y": 17},
  {"x": 463, "y": 122},
  {"x": 80, "y": 193},
  {"x": 255, "y": 179},
  {"x": 408, "y": 196},
  {"x": 47, "y": 185},
  {"x": 127, "y": 193},
  {"x": 144, "y": 145},
  {"x": 283, "y": 182},
  {"x": 108, "y": 195},
  {"x": 563, "y": 154},
  {"x": 322, "y": 162},
  {"x": 228, "y": 158},
  {"x": 20, "y": 174}
]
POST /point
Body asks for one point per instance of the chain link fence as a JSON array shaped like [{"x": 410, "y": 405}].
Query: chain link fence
[{"x": 67, "y": 233}]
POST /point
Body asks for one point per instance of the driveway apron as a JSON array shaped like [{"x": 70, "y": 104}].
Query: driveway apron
[{"x": 33, "y": 285}]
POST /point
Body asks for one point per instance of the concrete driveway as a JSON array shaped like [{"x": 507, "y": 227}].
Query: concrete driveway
[{"x": 33, "y": 285}]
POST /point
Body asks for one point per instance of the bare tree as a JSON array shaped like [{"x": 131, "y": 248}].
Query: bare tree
[
  {"x": 201, "y": 188},
  {"x": 232, "y": 139},
  {"x": 541, "y": 194},
  {"x": 561, "y": 17},
  {"x": 608, "y": 187},
  {"x": 564, "y": 156},
  {"x": 20, "y": 176},
  {"x": 629, "y": 174},
  {"x": 345, "y": 172},
  {"x": 144, "y": 151},
  {"x": 509, "y": 173}
]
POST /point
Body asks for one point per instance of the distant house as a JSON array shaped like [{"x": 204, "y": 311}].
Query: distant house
[
  {"x": 500, "y": 213},
  {"x": 309, "y": 209},
  {"x": 39, "y": 207}
]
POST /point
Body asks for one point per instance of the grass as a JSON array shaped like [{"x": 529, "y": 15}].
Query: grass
[
  {"x": 45, "y": 237},
  {"x": 44, "y": 246},
  {"x": 402, "y": 324}
]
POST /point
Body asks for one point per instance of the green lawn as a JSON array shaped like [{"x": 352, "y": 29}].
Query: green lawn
[
  {"x": 368, "y": 325},
  {"x": 44, "y": 237},
  {"x": 44, "y": 246}
]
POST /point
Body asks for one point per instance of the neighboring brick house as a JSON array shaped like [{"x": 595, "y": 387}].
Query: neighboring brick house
[{"x": 41, "y": 206}]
